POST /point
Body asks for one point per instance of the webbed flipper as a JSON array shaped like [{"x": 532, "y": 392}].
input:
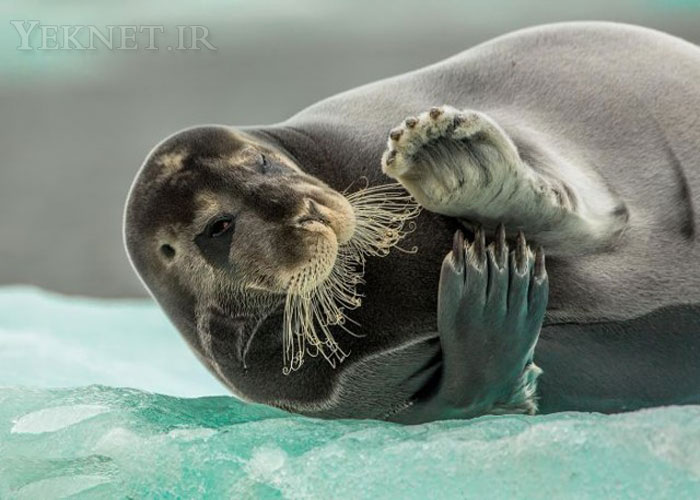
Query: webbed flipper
[{"x": 491, "y": 305}]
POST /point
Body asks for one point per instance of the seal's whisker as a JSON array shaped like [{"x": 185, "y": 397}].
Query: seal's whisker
[{"x": 384, "y": 215}]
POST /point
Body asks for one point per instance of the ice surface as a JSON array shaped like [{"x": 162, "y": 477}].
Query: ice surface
[
  {"x": 55, "y": 418},
  {"x": 97, "y": 441},
  {"x": 148, "y": 445},
  {"x": 49, "y": 340}
]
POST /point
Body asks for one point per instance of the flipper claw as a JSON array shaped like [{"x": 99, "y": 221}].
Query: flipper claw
[
  {"x": 521, "y": 254},
  {"x": 458, "y": 249},
  {"x": 540, "y": 271},
  {"x": 479, "y": 246},
  {"x": 501, "y": 246}
]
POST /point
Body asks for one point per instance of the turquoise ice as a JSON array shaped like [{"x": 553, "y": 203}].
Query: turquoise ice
[
  {"x": 108, "y": 441},
  {"x": 49, "y": 340}
]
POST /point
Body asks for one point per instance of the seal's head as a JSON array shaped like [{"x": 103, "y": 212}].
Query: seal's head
[{"x": 221, "y": 222}]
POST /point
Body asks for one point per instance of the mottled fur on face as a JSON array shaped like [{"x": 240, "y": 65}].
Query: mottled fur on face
[
  {"x": 225, "y": 230},
  {"x": 282, "y": 221}
]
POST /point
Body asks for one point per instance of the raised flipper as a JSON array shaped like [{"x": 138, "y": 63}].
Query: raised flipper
[
  {"x": 491, "y": 305},
  {"x": 461, "y": 163}
]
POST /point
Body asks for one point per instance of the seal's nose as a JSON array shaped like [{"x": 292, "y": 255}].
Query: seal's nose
[{"x": 275, "y": 201}]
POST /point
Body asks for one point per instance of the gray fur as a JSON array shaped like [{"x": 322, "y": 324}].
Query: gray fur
[
  {"x": 619, "y": 104},
  {"x": 620, "y": 100}
]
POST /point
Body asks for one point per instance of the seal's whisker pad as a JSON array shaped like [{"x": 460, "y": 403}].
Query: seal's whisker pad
[{"x": 384, "y": 216}]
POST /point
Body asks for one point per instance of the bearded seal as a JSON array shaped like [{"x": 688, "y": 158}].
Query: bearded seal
[{"x": 268, "y": 244}]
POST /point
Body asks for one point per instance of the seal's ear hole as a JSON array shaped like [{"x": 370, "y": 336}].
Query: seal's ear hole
[{"x": 167, "y": 251}]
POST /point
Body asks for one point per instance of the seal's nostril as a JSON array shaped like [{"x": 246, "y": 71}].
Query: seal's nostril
[
  {"x": 314, "y": 214},
  {"x": 168, "y": 251},
  {"x": 313, "y": 207}
]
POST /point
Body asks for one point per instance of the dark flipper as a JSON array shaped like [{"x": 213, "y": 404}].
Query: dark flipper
[{"x": 490, "y": 310}]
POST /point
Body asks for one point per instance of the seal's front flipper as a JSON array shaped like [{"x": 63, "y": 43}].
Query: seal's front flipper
[
  {"x": 491, "y": 304},
  {"x": 463, "y": 164}
]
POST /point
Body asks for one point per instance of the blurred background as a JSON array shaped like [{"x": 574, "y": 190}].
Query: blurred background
[{"x": 78, "y": 123}]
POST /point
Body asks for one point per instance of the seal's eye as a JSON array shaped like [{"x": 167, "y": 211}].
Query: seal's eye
[
  {"x": 220, "y": 226},
  {"x": 215, "y": 240}
]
